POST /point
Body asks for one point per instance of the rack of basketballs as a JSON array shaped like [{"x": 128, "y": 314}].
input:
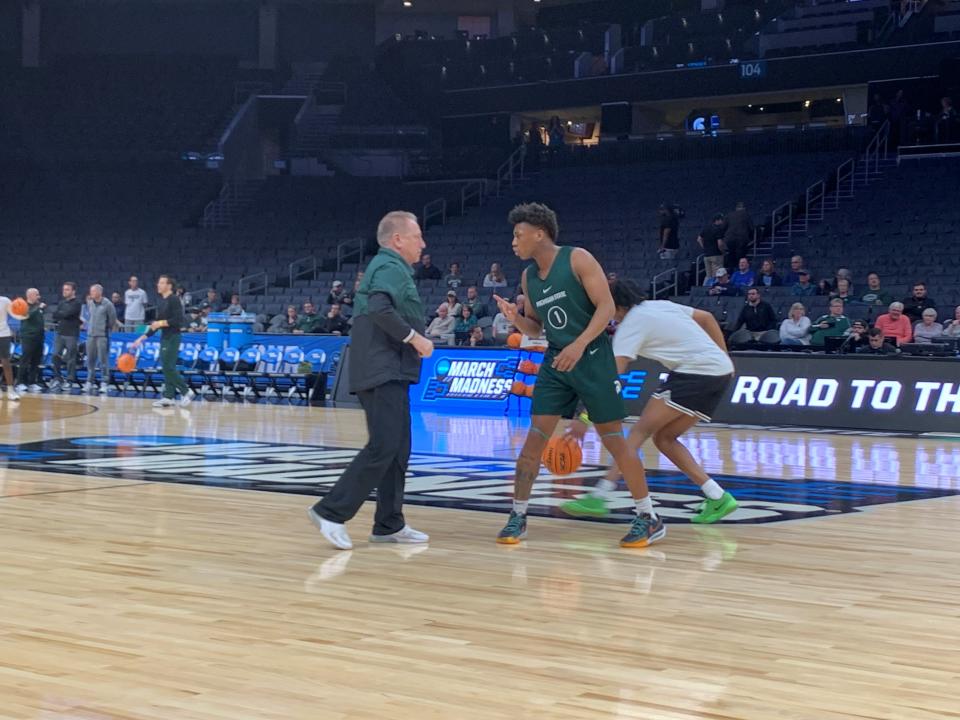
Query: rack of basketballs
[{"x": 528, "y": 366}]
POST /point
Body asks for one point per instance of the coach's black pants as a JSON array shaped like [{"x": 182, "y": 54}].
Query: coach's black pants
[
  {"x": 31, "y": 356},
  {"x": 382, "y": 464}
]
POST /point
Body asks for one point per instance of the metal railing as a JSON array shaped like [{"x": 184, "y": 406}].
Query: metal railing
[
  {"x": 435, "y": 209},
  {"x": 699, "y": 269},
  {"x": 666, "y": 288},
  {"x": 781, "y": 223},
  {"x": 845, "y": 184},
  {"x": 511, "y": 169},
  {"x": 473, "y": 191},
  {"x": 349, "y": 249},
  {"x": 875, "y": 152},
  {"x": 301, "y": 268},
  {"x": 255, "y": 284},
  {"x": 813, "y": 201}
]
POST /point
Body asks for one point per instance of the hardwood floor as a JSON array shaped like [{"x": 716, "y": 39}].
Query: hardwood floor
[{"x": 131, "y": 593}]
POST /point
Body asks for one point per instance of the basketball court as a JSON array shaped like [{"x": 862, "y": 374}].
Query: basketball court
[{"x": 159, "y": 564}]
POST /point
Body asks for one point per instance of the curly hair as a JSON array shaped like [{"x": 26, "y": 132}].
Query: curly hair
[
  {"x": 626, "y": 293},
  {"x": 538, "y": 215}
]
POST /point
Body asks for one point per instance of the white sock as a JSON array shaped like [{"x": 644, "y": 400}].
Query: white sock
[
  {"x": 520, "y": 506},
  {"x": 645, "y": 506},
  {"x": 603, "y": 488},
  {"x": 712, "y": 490}
]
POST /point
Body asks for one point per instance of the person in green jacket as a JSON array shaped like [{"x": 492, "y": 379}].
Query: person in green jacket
[
  {"x": 834, "y": 324},
  {"x": 31, "y": 342}
]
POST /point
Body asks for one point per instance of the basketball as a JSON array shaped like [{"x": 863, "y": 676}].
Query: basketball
[
  {"x": 529, "y": 391},
  {"x": 562, "y": 456},
  {"x": 518, "y": 388},
  {"x": 526, "y": 367},
  {"x": 513, "y": 340},
  {"x": 20, "y": 309},
  {"x": 126, "y": 363}
]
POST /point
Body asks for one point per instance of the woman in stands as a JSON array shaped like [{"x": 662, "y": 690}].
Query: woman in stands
[
  {"x": 795, "y": 330},
  {"x": 690, "y": 344},
  {"x": 952, "y": 328}
]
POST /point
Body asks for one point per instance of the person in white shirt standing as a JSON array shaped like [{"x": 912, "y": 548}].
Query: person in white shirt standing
[
  {"x": 6, "y": 341},
  {"x": 135, "y": 299},
  {"x": 690, "y": 345}
]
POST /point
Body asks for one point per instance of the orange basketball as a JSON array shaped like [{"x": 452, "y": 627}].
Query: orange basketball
[
  {"x": 126, "y": 363},
  {"x": 562, "y": 456},
  {"x": 535, "y": 370},
  {"x": 19, "y": 308},
  {"x": 529, "y": 391},
  {"x": 526, "y": 367},
  {"x": 518, "y": 388},
  {"x": 513, "y": 340}
]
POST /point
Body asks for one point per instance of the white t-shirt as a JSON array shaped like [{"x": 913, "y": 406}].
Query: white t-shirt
[
  {"x": 135, "y": 300},
  {"x": 666, "y": 332},
  {"x": 4, "y": 314}
]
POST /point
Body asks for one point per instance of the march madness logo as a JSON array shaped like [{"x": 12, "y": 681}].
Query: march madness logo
[
  {"x": 457, "y": 481},
  {"x": 471, "y": 379}
]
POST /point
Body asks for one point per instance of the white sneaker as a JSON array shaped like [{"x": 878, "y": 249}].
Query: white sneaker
[
  {"x": 21, "y": 388},
  {"x": 88, "y": 388},
  {"x": 188, "y": 398},
  {"x": 104, "y": 389},
  {"x": 56, "y": 386},
  {"x": 335, "y": 533},
  {"x": 164, "y": 402},
  {"x": 13, "y": 395},
  {"x": 406, "y": 535},
  {"x": 34, "y": 389}
]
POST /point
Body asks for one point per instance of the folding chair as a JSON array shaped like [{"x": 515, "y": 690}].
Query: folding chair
[
  {"x": 209, "y": 374},
  {"x": 148, "y": 365},
  {"x": 272, "y": 359},
  {"x": 298, "y": 380},
  {"x": 187, "y": 360},
  {"x": 229, "y": 359}
]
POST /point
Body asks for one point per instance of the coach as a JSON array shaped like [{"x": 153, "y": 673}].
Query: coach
[{"x": 386, "y": 345}]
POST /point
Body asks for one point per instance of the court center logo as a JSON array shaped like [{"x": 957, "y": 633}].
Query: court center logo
[{"x": 445, "y": 480}]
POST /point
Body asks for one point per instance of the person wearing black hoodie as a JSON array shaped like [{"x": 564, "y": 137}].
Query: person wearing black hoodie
[
  {"x": 31, "y": 343},
  {"x": 67, "y": 318}
]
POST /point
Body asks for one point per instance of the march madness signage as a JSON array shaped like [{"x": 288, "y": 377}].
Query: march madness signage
[
  {"x": 861, "y": 393},
  {"x": 441, "y": 480}
]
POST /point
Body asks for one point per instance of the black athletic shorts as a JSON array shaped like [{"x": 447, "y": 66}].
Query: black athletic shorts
[
  {"x": 696, "y": 395},
  {"x": 5, "y": 343}
]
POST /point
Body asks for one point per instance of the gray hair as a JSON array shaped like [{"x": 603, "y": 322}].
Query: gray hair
[
  {"x": 930, "y": 312},
  {"x": 896, "y": 306},
  {"x": 391, "y": 224},
  {"x": 97, "y": 286},
  {"x": 797, "y": 306}
]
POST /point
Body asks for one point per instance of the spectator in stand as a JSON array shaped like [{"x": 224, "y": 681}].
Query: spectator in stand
[
  {"x": 856, "y": 336},
  {"x": 876, "y": 344},
  {"x": 474, "y": 302},
  {"x": 744, "y": 277},
  {"x": 914, "y": 305},
  {"x": 795, "y": 330},
  {"x": 346, "y": 302},
  {"x": 442, "y": 327},
  {"x": 843, "y": 291},
  {"x": 426, "y": 270},
  {"x": 502, "y": 327},
  {"x": 946, "y": 127},
  {"x": 739, "y": 233},
  {"x": 334, "y": 323},
  {"x": 669, "y": 227},
  {"x": 118, "y": 305},
  {"x": 710, "y": 240},
  {"x": 477, "y": 339},
  {"x": 465, "y": 323},
  {"x": 495, "y": 278},
  {"x": 212, "y": 303},
  {"x": 611, "y": 278},
  {"x": 926, "y": 330},
  {"x": 521, "y": 304},
  {"x": 952, "y": 327},
  {"x": 768, "y": 276},
  {"x": 793, "y": 276},
  {"x": 803, "y": 287},
  {"x": 67, "y": 318},
  {"x": 895, "y": 324},
  {"x": 199, "y": 321},
  {"x": 337, "y": 293},
  {"x": 235, "y": 307},
  {"x": 720, "y": 284},
  {"x": 183, "y": 296},
  {"x": 309, "y": 321},
  {"x": 833, "y": 324},
  {"x": 287, "y": 322},
  {"x": 454, "y": 279},
  {"x": 757, "y": 322},
  {"x": 452, "y": 304},
  {"x": 874, "y": 294},
  {"x": 135, "y": 300}
]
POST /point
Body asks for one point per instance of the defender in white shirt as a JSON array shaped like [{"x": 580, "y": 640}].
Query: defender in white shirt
[{"x": 690, "y": 344}]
